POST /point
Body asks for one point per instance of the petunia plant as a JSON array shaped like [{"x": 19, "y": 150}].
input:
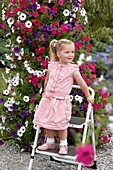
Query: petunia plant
[{"x": 28, "y": 27}]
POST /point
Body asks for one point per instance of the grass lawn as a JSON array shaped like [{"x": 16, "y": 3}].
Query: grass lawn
[{"x": 2, "y": 82}]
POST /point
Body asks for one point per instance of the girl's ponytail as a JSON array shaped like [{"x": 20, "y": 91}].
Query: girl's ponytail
[{"x": 52, "y": 47}]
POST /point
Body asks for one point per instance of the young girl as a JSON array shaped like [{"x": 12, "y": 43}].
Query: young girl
[{"x": 54, "y": 110}]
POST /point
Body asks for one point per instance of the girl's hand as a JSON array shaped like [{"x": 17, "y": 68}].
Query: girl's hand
[{"x": 90, "y": 99}]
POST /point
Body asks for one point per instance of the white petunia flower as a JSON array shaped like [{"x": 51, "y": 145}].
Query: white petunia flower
[
  {"x": 34, "y": 126},
  {"x": 3, "y": 17},
  {"x": 79, "y": 98},
  {"x": 22, "y": 17},
  {"x": 75, "y": 9},
  {"x": 7, "y": 70},
  {"x": 6, "y": 92},
  {"x": 22, "y": 129},
  {"x": 70, "y": 98},
  {"x": 19, "y": 39},
  {"x": 36, "y": 107},
  {"x": 22, "y": 51},
  {"x": 28, "y": 24},
  {"x": 19, "y": 133},
  {"x": 66, "y": 12},
  {"x": 26, "y": 98},
  {"x": 3, "y": 119},
  {"x": 26, "y": 123},
  {"x": 3, "y": 62},
  {"x": 83, "y": 12},
  {"x": 17, "y": 103},
  {"x": 38, "y": 5},
  {"x": 30, "y": 70},
  {"x": 82, "y": 57},
  {"x": 8, "y": 129},
  {"x": 89, "y": 58},
  {"x": 10, "y": 21}
]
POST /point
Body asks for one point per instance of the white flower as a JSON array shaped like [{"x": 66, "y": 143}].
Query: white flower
[
  {"x": 74, "y": 9},
  {"x": 7, "y": 70},
  {"x": 83, "y": 12},
  {"x": 89, "y": 58},
  {"x": 22, "y": 129},
  {"x": 30, "y": 70},
  {"x": 79, "y": 98},
  {"x": 82, "y": 57},
  {"x": 26, "y": 98},
  {"x": 70, "y": 98},
  {"x": 22, "y": 51},
  {"x": 3, "y": 119},
  {"x": 19, "y": 58},
  {"x": 34, "y": 126},
  {"x": 22, "y": 17},
  {"x": 15, "y": 83},
  {"x": 8, "y": 129},
  {"x": 66, "y": 12},
  {"x": 36, "y": 107},
  {"x": 18, "y": 39},
  {"x": 79, "y": 63},
  {"x": 3, "y": 62},
  {"x": 12, "y": 29},
  {"x": 6, "y": 92},
  {"x": 86, "y": 20},
  {"x": 17, "y": 103},
  {"x": 28, "y": 24},
  {"x": 26, "y": 123},
  {"x": 19, "y": 133},
  {"x": 38, "y": 5},
  {"x": 3, "y": 17},
  {"x": 10, "y": 21}
]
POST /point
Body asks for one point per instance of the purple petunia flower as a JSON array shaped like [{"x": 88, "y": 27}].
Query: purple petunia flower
[
  {"x": 16, "y": 49},
  {"x": 51, "y": 12},
  {"x": 42, "y": 138},
  {"x": 34, "y": 6},
  {"x": 22, "y": 114},
  {"x": 13, "y": 133},
  {"x": 37, "y": 36},
  {"x": 5, "y": 31},
  {"x": 46, "y": 36},
  {"x": 1, "y": 100},
  {"x": 49, "y": 28},
  {"x": 1, "y": 142},
  {"x": 110, "y": 134},
  {"x": 0, "y": 119},
  {"x": 68, "y": 26},
  {"x": 30, "y": 7},
  {"x": 18, "y": 126},
  {"x": 44, "y": 27},
  {"x": 30, "y": 40},
  {"x": 81, "y": 107},
  {"x": 33, "y": 95}
]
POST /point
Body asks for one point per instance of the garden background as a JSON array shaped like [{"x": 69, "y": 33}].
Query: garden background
[{"x": 26, "y": 30}]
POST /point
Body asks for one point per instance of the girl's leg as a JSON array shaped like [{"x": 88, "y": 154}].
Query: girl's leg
[
  {"x": 62, "y": 134},
  {"x": 50, "y": 143},
  {"x": 63, "y": 142}
]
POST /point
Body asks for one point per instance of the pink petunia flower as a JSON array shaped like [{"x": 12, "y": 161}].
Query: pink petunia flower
[
  {"x": 61, "y": 2},
  {"x": 85, "y": 154}
]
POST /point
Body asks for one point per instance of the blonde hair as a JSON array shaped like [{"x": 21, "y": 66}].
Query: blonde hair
[{"x": 57, "y": 45}]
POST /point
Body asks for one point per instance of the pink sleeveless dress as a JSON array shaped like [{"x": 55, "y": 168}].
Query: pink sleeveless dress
[{"x": 54, "y": 110}]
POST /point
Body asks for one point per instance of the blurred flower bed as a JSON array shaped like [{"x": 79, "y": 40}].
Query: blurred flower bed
[{"x": 28, "y": 27}]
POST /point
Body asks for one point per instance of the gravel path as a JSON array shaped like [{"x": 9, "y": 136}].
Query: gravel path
[{"x": 12, "y": 159}]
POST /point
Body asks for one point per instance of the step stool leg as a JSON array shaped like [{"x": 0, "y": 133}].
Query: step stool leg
[
  {"x": 79, "y": 166},
  {"x": 93, "y": 138},
  {"x": 33, "y": 148}
]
